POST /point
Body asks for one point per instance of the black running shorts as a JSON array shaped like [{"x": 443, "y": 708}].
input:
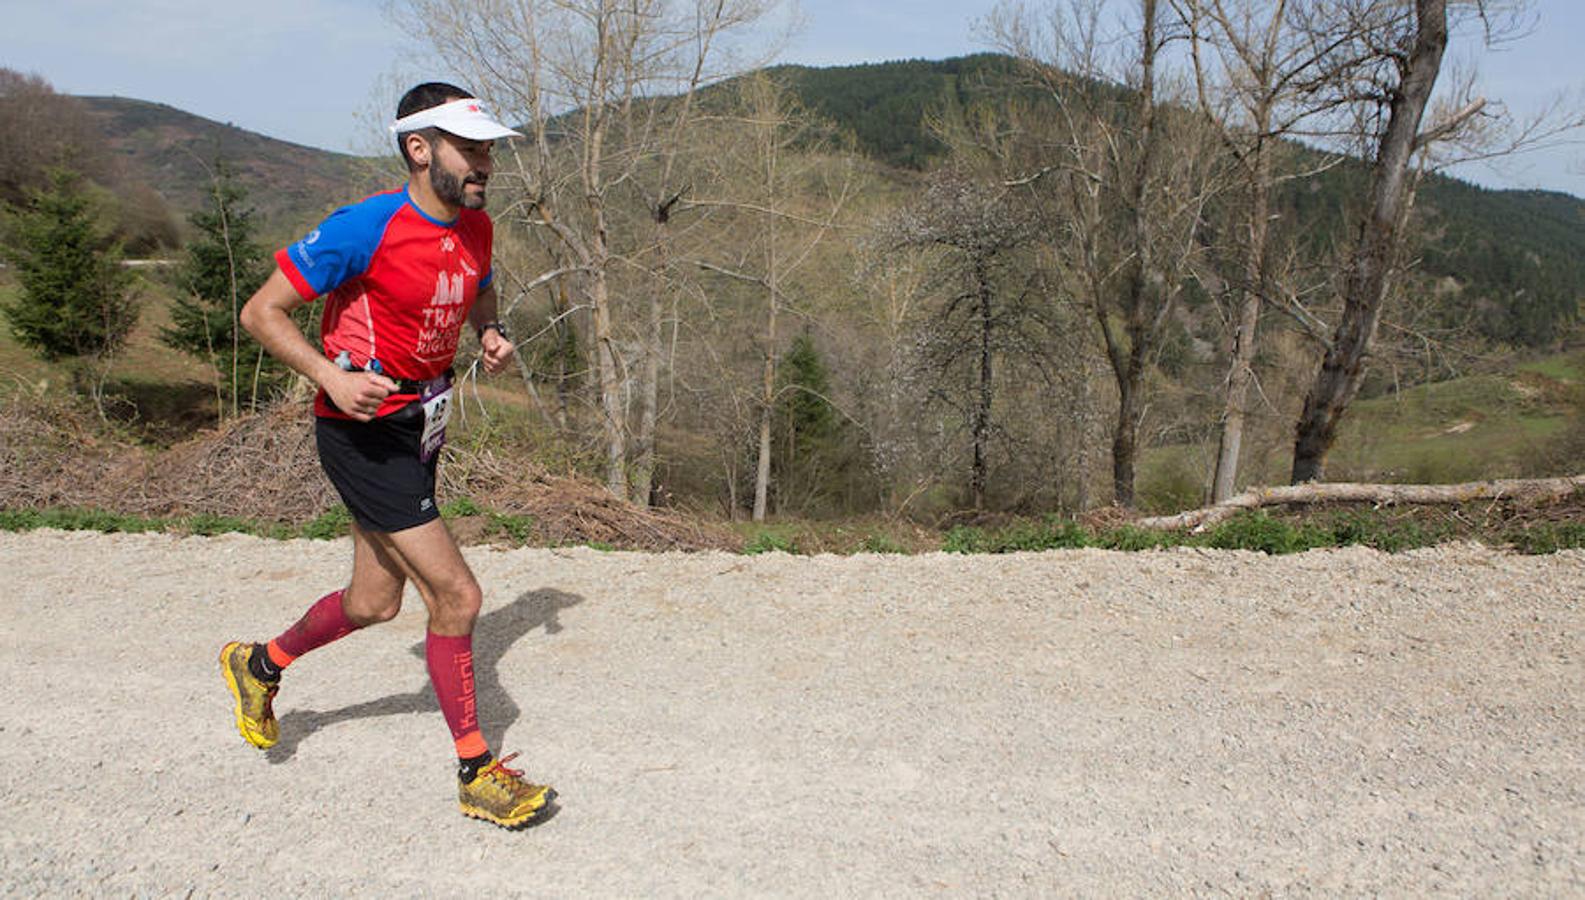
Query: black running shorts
[{"x": 376, "y": 470}]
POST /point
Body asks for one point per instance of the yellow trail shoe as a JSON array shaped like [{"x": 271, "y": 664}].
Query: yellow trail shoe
[
  {"x": 500, "y": 795},
  {"x": 255, "y": 717}
]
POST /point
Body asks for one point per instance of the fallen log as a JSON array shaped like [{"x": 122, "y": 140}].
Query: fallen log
[{"x": 1529, "y": 490}]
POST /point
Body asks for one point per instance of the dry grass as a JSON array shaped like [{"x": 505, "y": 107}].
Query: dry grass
[{"x": 265, "y": 468}]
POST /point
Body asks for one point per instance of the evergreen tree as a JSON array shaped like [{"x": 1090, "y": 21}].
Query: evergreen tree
[
  {"x": 816, "y": 464},
  {"x": 76, "y": 300},
  {"x": 223, "y": 263}
]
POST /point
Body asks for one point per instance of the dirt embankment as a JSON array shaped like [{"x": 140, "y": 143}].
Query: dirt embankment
[{"x": 1070, "y": 723}]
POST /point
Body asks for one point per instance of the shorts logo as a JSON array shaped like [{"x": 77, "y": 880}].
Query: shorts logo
[
  {"x": 312, "y": 237},
  {"x": 426, "y": 504}
]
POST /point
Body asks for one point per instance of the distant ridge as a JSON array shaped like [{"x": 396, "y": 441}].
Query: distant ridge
[
  {"x": 1516, "y": 257},
  {"x": 166, "y": 148}
]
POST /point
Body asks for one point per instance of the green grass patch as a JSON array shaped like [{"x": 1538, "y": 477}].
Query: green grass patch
[
  {"x": 461, "y": 507},
  {"x": 333, "y": 523},
  {"x": 769, "y": 541},
  {"x": 1548, "y": 537},
  {"x": 77, "y": 519},
  {"x": 517, "y": 529},
  {"x": 1133, "y": 539},
  {"x": 1048, "y": 534},
  {"x": 1565, "y": 367},
  {"x": 1259, "y": 531}
]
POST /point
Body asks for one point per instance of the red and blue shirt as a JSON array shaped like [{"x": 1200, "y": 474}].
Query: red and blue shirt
[{"x": 398, "y": 285}]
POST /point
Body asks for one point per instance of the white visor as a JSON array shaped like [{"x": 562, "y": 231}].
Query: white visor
[{"x": 464, "y": 118}]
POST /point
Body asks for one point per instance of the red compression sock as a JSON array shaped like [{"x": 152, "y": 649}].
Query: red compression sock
[
  {"x": 450, "y": 660},
  {"x": 324, "y": 622}
]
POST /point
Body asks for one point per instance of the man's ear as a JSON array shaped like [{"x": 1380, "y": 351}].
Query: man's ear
[{"x": 418, "y": 148}]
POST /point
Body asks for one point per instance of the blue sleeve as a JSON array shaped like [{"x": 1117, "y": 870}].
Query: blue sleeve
[{"x": 339, "y": 249}]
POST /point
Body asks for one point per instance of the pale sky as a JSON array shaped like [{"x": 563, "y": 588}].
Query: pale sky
[{"x": 311, "y": 71}]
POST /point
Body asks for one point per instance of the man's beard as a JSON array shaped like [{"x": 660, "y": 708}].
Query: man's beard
[{"x": 452, "y": 190}]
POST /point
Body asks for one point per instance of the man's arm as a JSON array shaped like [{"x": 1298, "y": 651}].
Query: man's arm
[
  {"x": 497, "y": 349},
  {"x": 267, "y": 316}
]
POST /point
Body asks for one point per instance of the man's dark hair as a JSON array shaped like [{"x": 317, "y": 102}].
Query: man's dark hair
[{"x": 428, "y": 95}]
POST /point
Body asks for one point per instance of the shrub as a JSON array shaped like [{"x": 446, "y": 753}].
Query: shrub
[
  {"x": 333, "y": 523},
  {"x": 768, "y": 542},
  {"x": 1129, "y": 537},
  {"x": 965, "y": 539},
  {"x": 1258, "y": 531},
  {"x": 1548, "y": 537}
]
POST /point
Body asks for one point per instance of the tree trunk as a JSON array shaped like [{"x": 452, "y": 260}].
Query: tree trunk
[
  {"x": 767, "y": 409},
  {"x": 1141, "y": 333},
  {"x": 649, "y": 385},
  {"x": 1241, "y": 374},
  {"x": 982, "y": 409},
  {"x": 609, "y": 372},
  {"x": 1124, "y": 438},
  {"x": 768, "y": 382},
  {"x": 1375, "y": 252},
  {"x": 1521, "y": 490}
]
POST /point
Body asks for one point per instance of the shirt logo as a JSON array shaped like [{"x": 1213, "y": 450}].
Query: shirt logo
[{"x": 447, "y": 244}]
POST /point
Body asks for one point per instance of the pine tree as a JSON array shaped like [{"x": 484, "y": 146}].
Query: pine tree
[
  {"x": 76, "y": 300},
  {"x": 816, "y": 466},
  {"x": 223, "y": 262}
]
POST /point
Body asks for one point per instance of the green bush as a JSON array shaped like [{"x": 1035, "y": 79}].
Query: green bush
[
  {"x": 460, "y": 507},
  {"x": 1371, "y": 530},
  {"x": 19, "y": 519},
  {"x": 333, "y": 523},
  {"x": 769, "y": 542},
  {"x": 1132, "y": 538},
  {"x": 517, "y": 528},
  {"x": 77, "y": 519},
  {"x": 1548, "y": 537},
  {"x": 1259, "y": 531},
  {"x": 965, "y": 539}
]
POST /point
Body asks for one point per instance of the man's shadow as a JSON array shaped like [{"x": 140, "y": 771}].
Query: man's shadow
[{"x": 493, "y": 634}]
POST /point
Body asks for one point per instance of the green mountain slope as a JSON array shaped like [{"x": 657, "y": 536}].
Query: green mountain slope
[{"x": 168, "y": 149}]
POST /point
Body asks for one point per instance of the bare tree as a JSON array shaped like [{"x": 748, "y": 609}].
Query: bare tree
[
  {"x": 588, "y": 77},
  {"x": 1129, "y": 211},
  {"x": 774, "y": 153},
  {"x": 1258, "y": 79},
  {"x": 1407, "y": 45},
  {"x": 979, "y": 227},
  {"x": 1391, "y": 57},
  {"x": 39, "y": 130}
]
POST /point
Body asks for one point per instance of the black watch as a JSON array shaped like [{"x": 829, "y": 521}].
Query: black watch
[{"x": 496, "y": 326}]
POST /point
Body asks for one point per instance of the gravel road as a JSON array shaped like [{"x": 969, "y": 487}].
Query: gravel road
[{"x": 1063, "y": 723}]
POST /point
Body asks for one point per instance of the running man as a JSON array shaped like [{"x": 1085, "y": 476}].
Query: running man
[{"x": 401, "y": 273}]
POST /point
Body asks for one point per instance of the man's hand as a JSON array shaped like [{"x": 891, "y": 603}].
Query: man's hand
[
  {"x": 358, "y": 394},
  {"x": 497, "y": 351}
]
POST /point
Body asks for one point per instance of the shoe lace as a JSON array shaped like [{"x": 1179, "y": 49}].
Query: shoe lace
[{"x": 512, "y": 779}]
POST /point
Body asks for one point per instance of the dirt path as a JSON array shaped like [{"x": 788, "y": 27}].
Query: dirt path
[{"x": 1071, "y": 723}]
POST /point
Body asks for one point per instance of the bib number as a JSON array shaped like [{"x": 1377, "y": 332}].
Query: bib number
[{"x": 436, "y": 398}]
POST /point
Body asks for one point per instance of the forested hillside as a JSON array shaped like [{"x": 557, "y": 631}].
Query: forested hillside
[{"x": 1518, "y": 256}]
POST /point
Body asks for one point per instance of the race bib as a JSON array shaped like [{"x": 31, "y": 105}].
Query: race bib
[{"x": 436, "y": 398}]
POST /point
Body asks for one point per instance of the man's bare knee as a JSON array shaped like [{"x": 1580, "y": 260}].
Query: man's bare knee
[
  {"x": 457, "y": 607},
  {"x": 371, "y": 607}
]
